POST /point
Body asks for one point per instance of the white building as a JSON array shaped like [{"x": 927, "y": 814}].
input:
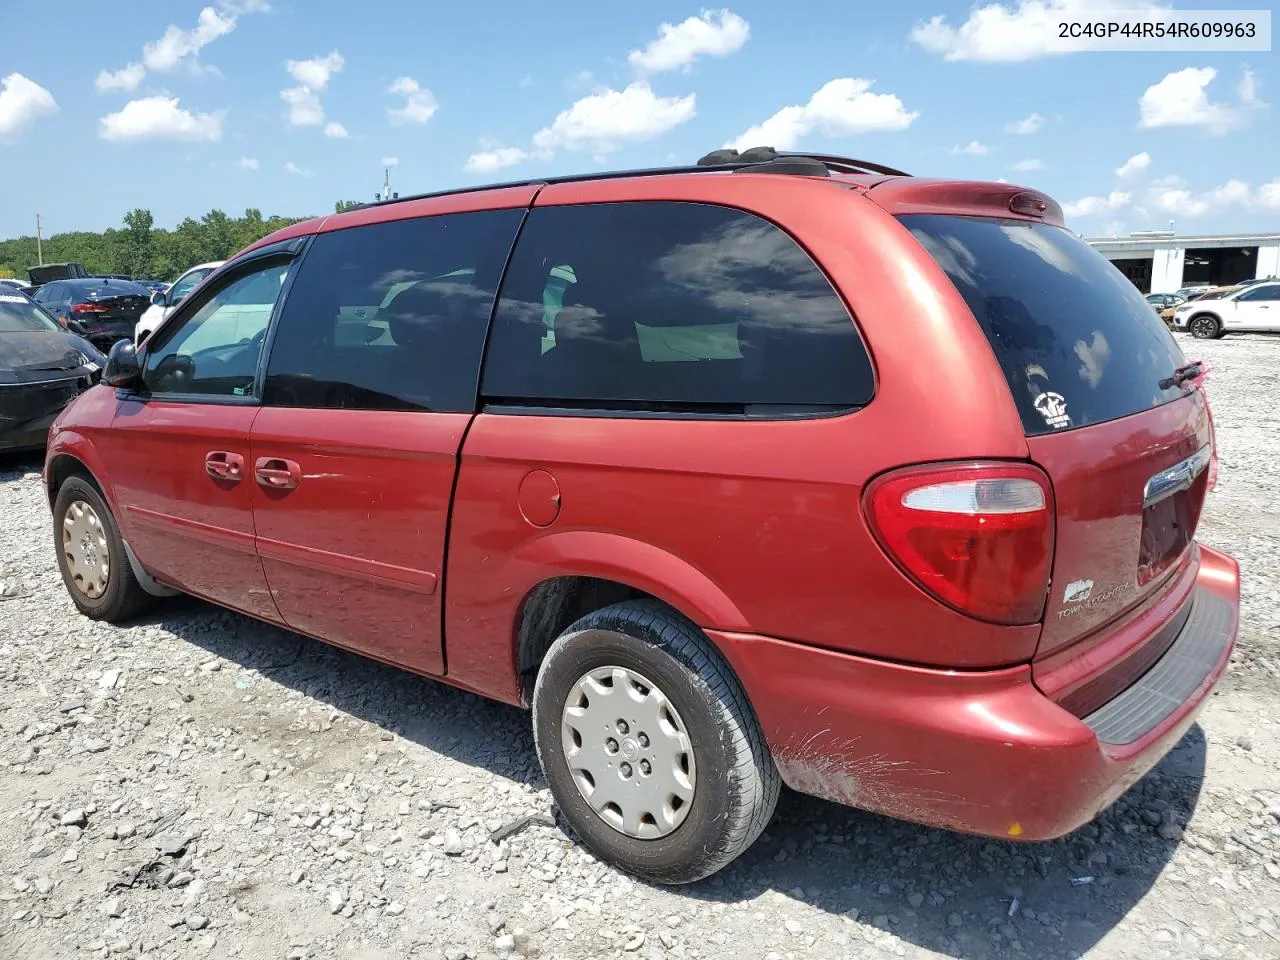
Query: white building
[{"x": 1162, "y": 262}]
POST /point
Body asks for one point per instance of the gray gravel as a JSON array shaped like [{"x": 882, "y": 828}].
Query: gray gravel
[{"x": 201, "y": 785}]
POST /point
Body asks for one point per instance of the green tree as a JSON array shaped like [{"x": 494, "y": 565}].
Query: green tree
[
  {"x": 342, "y": 206},
  {"x": 137, "y": 241}
]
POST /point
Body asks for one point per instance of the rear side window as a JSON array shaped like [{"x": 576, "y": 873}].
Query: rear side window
[
  {"x": 1077, "y": 342},
  {"x": 391, "y": 316},
  {"x": 684, "y": 307}
]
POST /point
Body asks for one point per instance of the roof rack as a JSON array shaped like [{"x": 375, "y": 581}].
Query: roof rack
[
  {"x": 754, "y": 160},
  {"x": 769, "y": 160}
]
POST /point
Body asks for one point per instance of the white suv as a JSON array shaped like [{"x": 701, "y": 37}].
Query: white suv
[
  {"x": 163, "y": 304},
  {"x": 1254, "y": 308}
]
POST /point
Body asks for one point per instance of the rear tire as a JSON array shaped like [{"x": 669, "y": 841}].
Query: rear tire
[
  {"x": 91, "y": 555},
  {"x": 693, "y": 792},
  {"x": 1205, "y": 327}
]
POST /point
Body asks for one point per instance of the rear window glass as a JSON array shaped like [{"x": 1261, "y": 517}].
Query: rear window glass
[
  {"x": 1077, "y": 342},
  {"x": 18, "y": 315}
]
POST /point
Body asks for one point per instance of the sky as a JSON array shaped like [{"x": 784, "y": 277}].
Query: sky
[{"x": 290, "y": 105}]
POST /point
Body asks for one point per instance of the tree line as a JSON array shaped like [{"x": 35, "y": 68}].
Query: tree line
[{"x": 142, "y": 250}]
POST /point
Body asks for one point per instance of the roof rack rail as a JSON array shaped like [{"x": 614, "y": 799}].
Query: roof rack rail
[
  {"x": 778, "y": 161},
  {"x": 755, "y": 160}
]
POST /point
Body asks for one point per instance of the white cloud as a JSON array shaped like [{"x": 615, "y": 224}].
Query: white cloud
[
  {"x": 526, "y": 81},
  {"x": 304, "y": 107},
  {"x": 1181, "y": 99},
  {"x": 842, "y": 107},
  {"x": 1171, "y": 195},
  {"x": 583, "y": 80},
  {"x": 391, "y": 161},
  {"x": 971, "y": 149},
  {"x": 1269, "y": 194},
  {"x": 1027, "y": 125},
  {"x": 335, "y": 130},
  {"x": 316, "y": 72},
  {"x": 1113, "y": 228},
  {"x": 292, "y": 168},
  {"x": 1093, "y": 206},
  {"x": 1030, "y": 165},
  {"x": 22, "y": 102},
  {"x": 248, "y": 163},
  {"x": 178, "y": 46},
  {"x": 488, "y": 161},
  {"x": 419, "y": 103},
  {"x": 127, "y": 79},
  {"x": 313, "y": 76},
  {"x": 603, "y": 120},
  {"x": 1019, "y": 30},
  {"x": 1135, "y": 165},
  {"x": 713, "y": 34},
  {"x": 159, "y": 118},
  {"x": 1247, "y": 91}
]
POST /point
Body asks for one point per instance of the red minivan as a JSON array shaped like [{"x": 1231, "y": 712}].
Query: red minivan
[{"x": 774, "y": 469}]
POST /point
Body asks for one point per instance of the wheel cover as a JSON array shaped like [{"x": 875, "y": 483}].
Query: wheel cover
[
  {"x": 85, "y": 547},
  {"x": 1203, "y": 326},
  {"x": 628, "y": 752}
]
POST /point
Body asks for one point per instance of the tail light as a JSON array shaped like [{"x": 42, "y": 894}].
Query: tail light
[
  {"x": 977, "y": 536},
  {"x": 89, "y": 308}
]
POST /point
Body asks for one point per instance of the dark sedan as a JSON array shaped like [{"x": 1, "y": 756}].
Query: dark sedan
[
  {"x": 106, "y": 309},
  {"x": 42, "y": 368}
]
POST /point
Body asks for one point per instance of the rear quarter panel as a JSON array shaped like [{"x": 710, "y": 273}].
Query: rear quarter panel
[{"x": 761, "y": 520}]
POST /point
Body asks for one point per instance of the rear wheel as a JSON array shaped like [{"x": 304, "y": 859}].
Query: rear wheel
[
  {"x": 1206, "y": 327},
  {"x": 649, "y": 745},
  {"x": 91, "y": 555}
]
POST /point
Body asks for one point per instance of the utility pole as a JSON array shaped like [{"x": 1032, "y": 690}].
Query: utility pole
[{"x": 39, "y": 242}]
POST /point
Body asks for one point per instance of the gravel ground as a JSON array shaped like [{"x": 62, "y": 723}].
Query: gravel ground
[{"x": 201, "y": 785}]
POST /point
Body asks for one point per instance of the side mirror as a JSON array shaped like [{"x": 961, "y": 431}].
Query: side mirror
[
  {"x": 122, "y": 369},
  {"x": 159, "y": 299},
  {"x": 75, "y": 327}
]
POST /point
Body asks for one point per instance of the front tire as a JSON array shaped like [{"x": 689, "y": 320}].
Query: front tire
[
  {"x": 91, "y": 555},
  {"x": 650, "y": 746},
  {"x": 1205, "y": 327}
]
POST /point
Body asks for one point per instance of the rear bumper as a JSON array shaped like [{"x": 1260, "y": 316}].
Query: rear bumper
[{"x": 979, "y": 751}]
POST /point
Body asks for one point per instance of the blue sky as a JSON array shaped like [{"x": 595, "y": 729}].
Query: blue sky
[{"x": 289, "y": 105}]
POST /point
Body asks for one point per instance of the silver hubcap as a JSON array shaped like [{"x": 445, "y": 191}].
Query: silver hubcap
[
  {"x": 628, "y": 751},
  {"x": 84, "y": 544}
]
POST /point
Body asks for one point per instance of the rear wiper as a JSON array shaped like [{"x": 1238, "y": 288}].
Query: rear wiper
[{"x": 1188, "y": 371}]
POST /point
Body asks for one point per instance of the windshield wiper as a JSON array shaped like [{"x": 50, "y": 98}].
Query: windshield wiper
[{"x": 1188, "y": 371}]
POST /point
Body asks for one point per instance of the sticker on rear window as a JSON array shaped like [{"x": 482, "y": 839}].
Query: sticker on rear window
[
  {"x": 7, "y": 298},
  {"x": 1053, "y": 407}
]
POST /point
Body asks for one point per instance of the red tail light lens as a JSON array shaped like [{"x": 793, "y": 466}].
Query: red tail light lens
[
  {"x": 89, "y": 308},
  {"x": 978, "y": 537}
]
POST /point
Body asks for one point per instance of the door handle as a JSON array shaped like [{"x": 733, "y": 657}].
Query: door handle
[
  {"x": 275, "y": 473},
  {"x": 222, "y": 465}
]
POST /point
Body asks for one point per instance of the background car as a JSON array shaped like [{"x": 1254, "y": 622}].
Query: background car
[
  {"x": 1245, "y": 308},
  {"x": 164, "y": 303},
  {"x": 42, "y": 368},
  {"x": 1195, "y": 290},
  {"x": 1164, "y": 304},
  {"x": 106, "y": 310},
  {"x": 9, "y": 284},
  {"x": 155, "y": 286}
]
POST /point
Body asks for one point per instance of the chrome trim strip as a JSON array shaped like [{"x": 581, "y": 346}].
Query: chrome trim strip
[{"x": 1179, "y": 477}]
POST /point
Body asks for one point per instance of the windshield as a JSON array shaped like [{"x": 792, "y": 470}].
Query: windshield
[
  {"x": 20, "y": 315},
  {"x": 1077, "y": 342}
]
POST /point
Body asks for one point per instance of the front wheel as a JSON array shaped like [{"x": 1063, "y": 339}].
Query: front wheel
[
  {"x": 91, "y": 555},
  {"x": 1206, "y": 327},
  {"x": 649, "y": 745}
]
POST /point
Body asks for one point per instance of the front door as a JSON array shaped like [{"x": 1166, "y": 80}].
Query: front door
[
  {"x": 180, "y": 454},
  {"x": 1258, "y": 308},
  {"x": 370, "y": 388}
]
